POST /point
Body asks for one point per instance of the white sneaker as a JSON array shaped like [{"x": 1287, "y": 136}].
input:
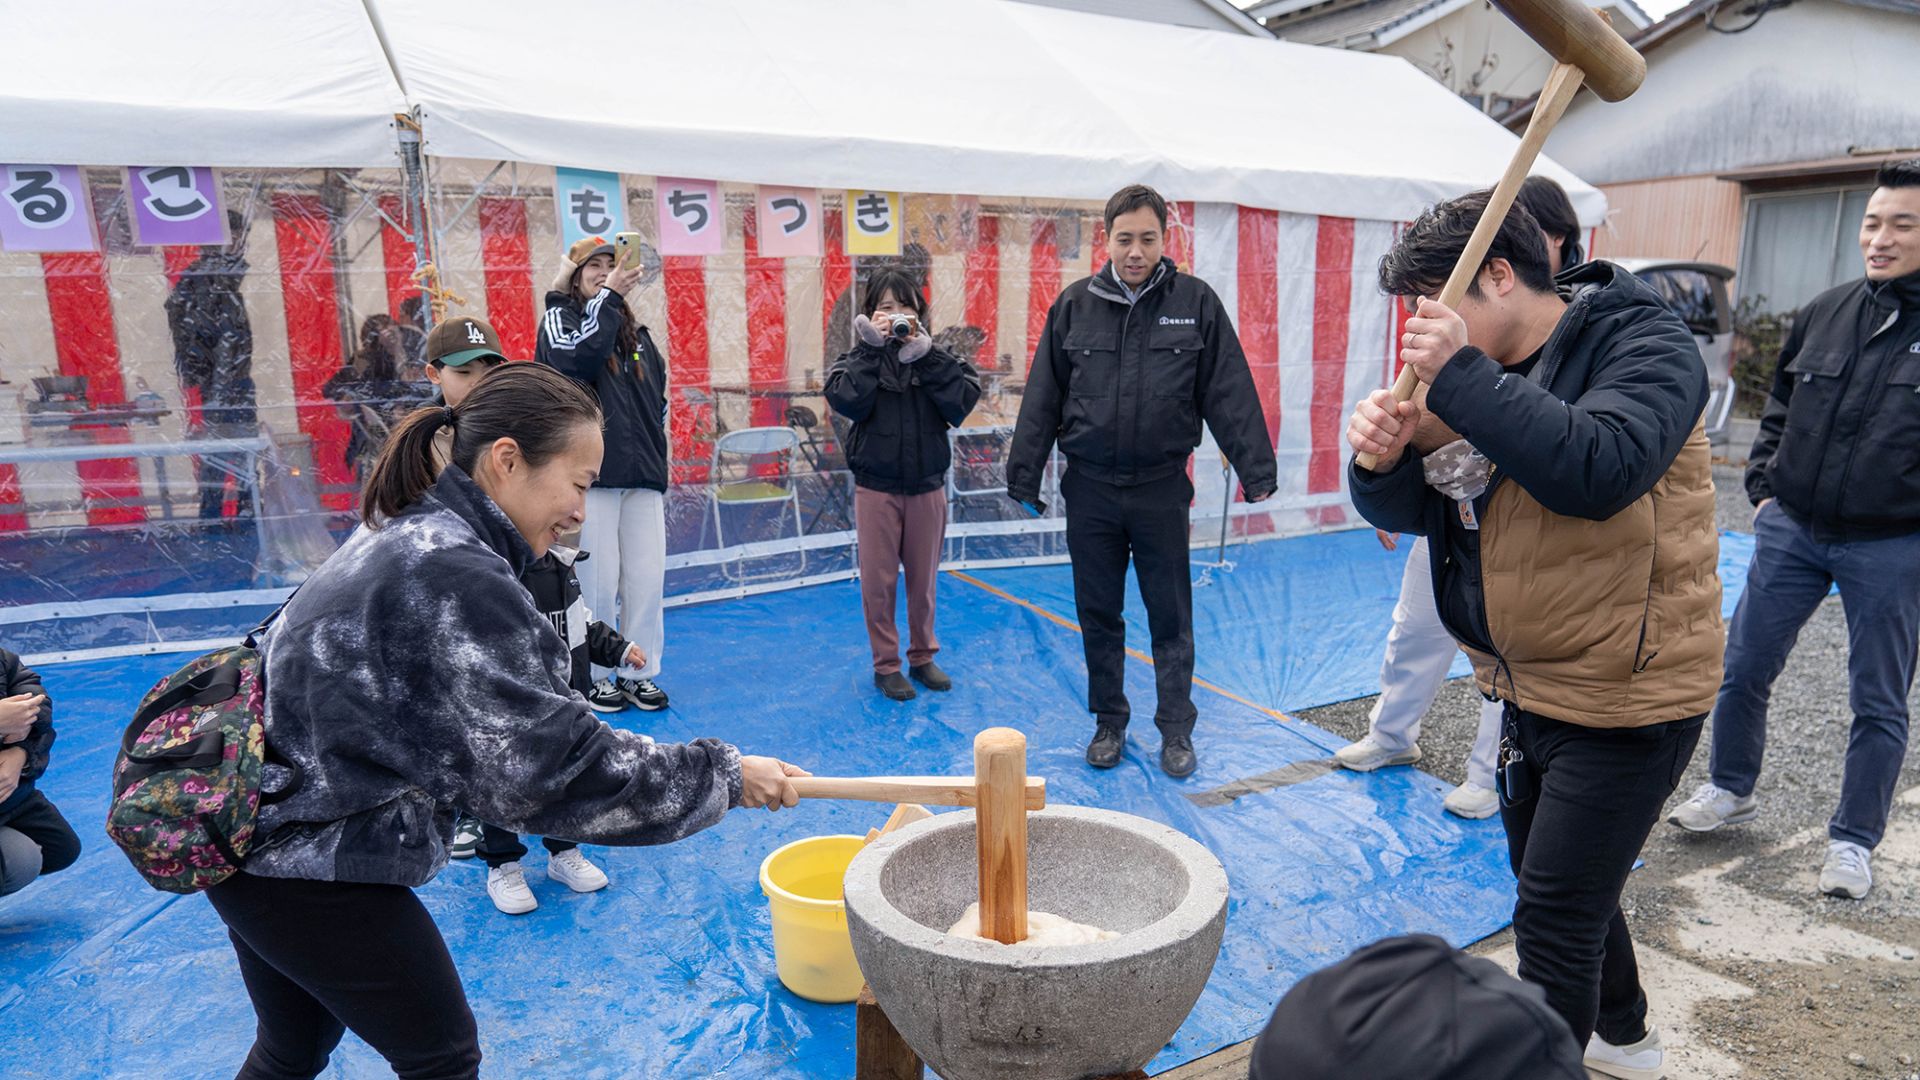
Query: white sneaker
[
  {"x": 1368, "y": 754},
  {"x": 1848, "y": 871},
  {"x": 507, "y": 885},
  {"x": 1471, "y": 801},
  {"x": 1644, "y": 1060},
  {"x": 1712, "y": 807},
  {"x": 570, "y": 868}
]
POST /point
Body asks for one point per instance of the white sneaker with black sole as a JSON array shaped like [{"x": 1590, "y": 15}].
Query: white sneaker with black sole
[
  {"x": 606, "y": 697},
  {"x": 466, "y": 838},
  {"x": 507, "y": 886},
  {"x": 570, "y": 868},
  {"x": 1848, "y": 871},
  {"x": 1711, "y": 807},
  {"x": 1369, "y": 754},
  {"x": 1644, "y": 1060},
  {"x": 644, "y": 694}
]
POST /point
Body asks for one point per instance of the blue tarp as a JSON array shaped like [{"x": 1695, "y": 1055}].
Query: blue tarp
[{"x": 668, "y": 973}]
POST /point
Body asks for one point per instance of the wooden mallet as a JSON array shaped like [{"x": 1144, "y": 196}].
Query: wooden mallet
[
  {"x": 1000, "y": 792},
  {"x": 1588, "y": 51}
]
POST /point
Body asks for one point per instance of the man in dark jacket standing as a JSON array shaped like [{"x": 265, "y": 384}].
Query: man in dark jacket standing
[
  {"x": 1835, "y": 480},
  {"x": 1571, "y": 531},
  {"x": 1131, "y": 361},
  {"x": 213, "y": 355}
]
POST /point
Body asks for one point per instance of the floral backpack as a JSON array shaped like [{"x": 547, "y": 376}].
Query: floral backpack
[{"x": 187, "y": 781}]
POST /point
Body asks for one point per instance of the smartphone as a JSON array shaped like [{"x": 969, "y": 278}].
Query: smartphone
[{"x": 626, "y": 250}]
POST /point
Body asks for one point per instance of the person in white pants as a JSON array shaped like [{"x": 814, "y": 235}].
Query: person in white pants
[
  {"x": 1419, "y": 654},
  {"x": 590, "y": 334}
]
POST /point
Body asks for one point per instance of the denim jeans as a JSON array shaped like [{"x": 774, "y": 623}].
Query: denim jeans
[{"x": 1880, "y": 590}]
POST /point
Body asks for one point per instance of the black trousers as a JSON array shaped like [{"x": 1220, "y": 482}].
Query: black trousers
[
  {"x": 1106, "y": 525},
  {"x": 1597, "y": 794},
  {"x": 501, "y": 846},
  {"x": 42, "y": 843},
  {"x": 319, "y": 957}
]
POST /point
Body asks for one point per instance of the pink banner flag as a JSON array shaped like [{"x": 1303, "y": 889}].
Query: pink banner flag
[
  {"x": 789, "y": 222},
  {"x": 692, "y": 221}
]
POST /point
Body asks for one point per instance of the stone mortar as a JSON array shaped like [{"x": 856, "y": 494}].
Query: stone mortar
[{"x": 983, "y": 1011}]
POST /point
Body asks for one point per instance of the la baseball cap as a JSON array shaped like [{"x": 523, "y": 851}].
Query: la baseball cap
[{"x": 462, "y": 339}]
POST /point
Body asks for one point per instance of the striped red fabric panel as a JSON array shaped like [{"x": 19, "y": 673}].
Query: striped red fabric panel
[
  {"x": 684, "y": 277},
  {"x": 507, "y": 257},
  {"x": 84, "y": 340},
  {"x": 1259, "y": 304},
  {"x": 1332, "y": 303},
  {"x": 1043, "y": 278},
  {"x": 836, "y": 276},
  {"x": 302, "y": 228},
  {"x": 766, "y": 325},
  {"x": 13, "y": 507},
  {"x": 983, "y": 286},
  {"x": 396, "y": 257}
]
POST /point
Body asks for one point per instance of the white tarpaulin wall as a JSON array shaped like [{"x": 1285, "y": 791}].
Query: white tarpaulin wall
[
  {"x": 102, "y": 551},
  {"x": 983, "y": 97}
]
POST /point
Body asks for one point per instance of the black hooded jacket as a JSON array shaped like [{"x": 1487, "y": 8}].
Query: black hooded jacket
[
  {"x": 1123, "y": 386},
  {"x": 1839, "y": 443},
  {"x": 212, "y": 338},
  {"x": 579, "y": 340}
]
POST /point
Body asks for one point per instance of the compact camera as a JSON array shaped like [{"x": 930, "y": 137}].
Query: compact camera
[{"x": 900, "y": 327}]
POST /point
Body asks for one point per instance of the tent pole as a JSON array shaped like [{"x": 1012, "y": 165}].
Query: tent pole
[{"x": 413, "y": 169}]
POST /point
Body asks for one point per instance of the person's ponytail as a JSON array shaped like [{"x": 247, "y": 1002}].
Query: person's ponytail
[{"x": 406, "y": 467}]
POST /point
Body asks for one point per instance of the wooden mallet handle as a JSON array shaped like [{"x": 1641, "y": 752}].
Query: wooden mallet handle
[
  {"x": 1000, "y": 769},
  {"x": 925, "y": 790},
  {"x": 1562, "y": 83}
]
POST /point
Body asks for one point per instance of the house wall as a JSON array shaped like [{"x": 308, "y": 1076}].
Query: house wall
[
  {"x": 1689, "y": 217},
  {"x": 1810, "y": 81},
  {"x": 1174, "y": 12}
]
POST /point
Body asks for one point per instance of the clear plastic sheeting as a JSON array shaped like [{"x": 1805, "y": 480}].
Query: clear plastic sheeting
[
  {"x": 669, "y": 973},
  {"x": 194, "y": 421}
]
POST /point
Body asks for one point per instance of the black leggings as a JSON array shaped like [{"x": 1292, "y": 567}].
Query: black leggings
[{"x": 319, "y": 957}]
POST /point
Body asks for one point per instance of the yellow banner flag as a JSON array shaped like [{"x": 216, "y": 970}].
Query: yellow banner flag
[{"x": 873, "y": 222}]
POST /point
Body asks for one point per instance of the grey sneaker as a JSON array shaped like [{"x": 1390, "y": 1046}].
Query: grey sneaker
[
  {"x": 1848, "y": 871},
  {"x": 1369, "y": 754},
  {"x": 1711, "y": 807}
]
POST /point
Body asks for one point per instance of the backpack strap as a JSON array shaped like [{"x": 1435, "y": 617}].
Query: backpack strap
[{"x": 210, "y": 687}]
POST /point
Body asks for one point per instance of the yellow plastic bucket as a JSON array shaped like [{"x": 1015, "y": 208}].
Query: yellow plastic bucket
[{"x": 811, "y": 949}]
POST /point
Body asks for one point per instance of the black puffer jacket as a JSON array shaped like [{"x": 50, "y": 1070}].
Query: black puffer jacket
[
  {"x": 900, "y": 414},
  {"x": 413, "y": 674},
  {"x": 1123, "y": 386},
  {"x": 1839, "y": 442},
  {"x": 578, "y": 339},
  {"x": 212, "y": 337}
]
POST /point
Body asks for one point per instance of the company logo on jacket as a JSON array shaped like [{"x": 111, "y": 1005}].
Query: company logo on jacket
[{"x": 1168, "y": 320}]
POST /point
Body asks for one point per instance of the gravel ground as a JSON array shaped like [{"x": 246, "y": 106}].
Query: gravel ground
[{"x": 1847, "y": 1018}]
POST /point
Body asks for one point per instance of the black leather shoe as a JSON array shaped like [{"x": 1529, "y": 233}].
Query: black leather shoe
[
  {"x": 1176, "y": 756},
  {"x": 1104, "y": 751},
  {"x": 930, "y": 676},
  {"x": 895, "y": 686}
]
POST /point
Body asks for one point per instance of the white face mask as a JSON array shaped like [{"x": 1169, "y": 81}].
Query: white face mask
[{"x": 1458, "y": 471}]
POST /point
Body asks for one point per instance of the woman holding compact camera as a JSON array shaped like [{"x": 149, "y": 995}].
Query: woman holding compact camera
[{"x": 900, "y": 393}]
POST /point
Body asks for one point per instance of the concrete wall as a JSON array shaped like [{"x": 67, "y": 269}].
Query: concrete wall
[{"x": 1808, "y": 82}]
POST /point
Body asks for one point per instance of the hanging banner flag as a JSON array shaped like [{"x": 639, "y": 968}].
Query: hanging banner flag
[
  {"x": 590, "y": 204},
  {"x": 943, "y": 224},
  {"x": 789, "y": 222},
  {"x": 175, "y": 204},
  {"x": 692, "y": 220},
  {"x": 45, "y": 208},
  {"x": 873, "y": 223}
]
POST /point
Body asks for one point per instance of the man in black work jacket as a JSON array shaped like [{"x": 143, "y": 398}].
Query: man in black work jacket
[
  {"x": 1835, "y": 481},
  {"x": 1132, "y": 359}
]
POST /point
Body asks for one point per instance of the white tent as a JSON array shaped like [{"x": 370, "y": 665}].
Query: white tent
[
  {"x": 215, "y": 82},
  {"x": 959, "y": 96}
]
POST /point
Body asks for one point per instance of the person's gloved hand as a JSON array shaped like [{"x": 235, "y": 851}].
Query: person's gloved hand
[
  {"x": 916, "y": 347},
  {"x": 864, "y": 329}
]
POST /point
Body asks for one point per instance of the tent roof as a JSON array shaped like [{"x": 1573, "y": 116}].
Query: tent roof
[
  {"x": 216, "y": 82},
  {"x": 963, "y": 96}
]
